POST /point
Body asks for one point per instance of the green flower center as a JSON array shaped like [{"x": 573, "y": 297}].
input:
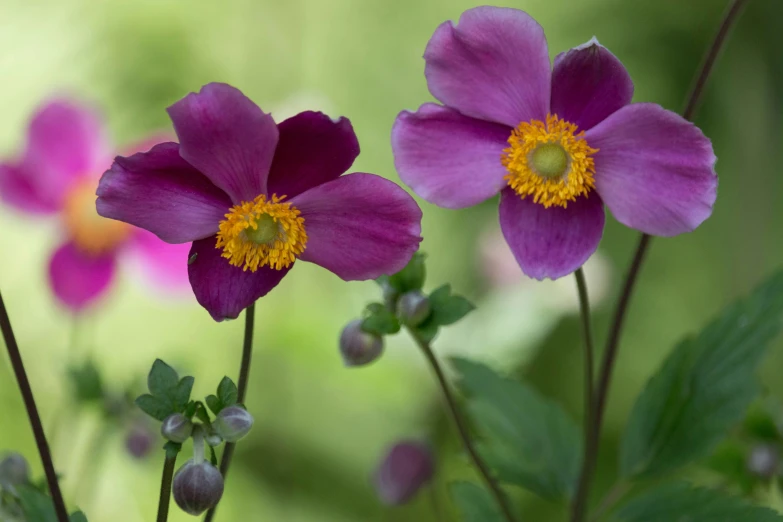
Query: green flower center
[
  {"x": 550, "y": 160},
  {"x": 265, "y": 232}
]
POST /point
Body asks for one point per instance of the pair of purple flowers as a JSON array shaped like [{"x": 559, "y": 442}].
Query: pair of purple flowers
[{"x": 557, "y": 143}]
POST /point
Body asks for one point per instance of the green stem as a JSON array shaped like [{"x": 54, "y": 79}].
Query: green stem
[
  {"x": 462, "y": 428},
  {"x": 610, "y": 354},
  {"x": 244, "y": 375},
  {"x": 584, "y": 307},
  {"x": 32, "y": 412},
  {"x": 165, "y": 487}
]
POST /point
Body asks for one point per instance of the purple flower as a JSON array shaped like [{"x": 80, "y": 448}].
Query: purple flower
[
  {"x": 407, "y": 467},
  {"x": 57, "y": 174},
  {"x": 557, "y": 143},
  {"x": 253, "y": 196}
]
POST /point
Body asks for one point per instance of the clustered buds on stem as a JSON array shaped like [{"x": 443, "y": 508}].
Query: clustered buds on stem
[
  {"x": 358, "y": 347},
  {"x": 407, "y": 467},
  {"x": 233, "y": 423},
  {"x": 413, "y": 308},
  {"x": 176, "y": 428}
]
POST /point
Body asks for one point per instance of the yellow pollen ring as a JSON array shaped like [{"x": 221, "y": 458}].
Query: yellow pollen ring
[
  {"x": 276, "y": 243},
  {"x": 90, "y": 232},
  {"x": 536, "y": 168}
]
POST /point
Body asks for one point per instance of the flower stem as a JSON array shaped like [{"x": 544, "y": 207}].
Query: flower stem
[
  {"x": 32, "y": 412},
  {"x": 610, "y": 354},
  {"x": 165, "y": 487},
  {"x": 462, "y": 428},
  {"x": 587, "y": 332},
  {"x": 244, "y": 374}
]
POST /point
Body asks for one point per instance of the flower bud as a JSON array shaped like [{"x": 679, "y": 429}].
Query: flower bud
[
  {"x": 176, "y": 428},
  {"x": 358, "y": 347},
  {"x": 14, "y": 470},
  {"x": 407, "y": 467},
  {"x": 764, "y": 461},
  {"x": 139, "y": 440},
  {"x": 197, "y": 487},
  {"x": 233, "y": 423},
  {"x": 212, "y": 438},
  {"x": 413, "y": 308}
]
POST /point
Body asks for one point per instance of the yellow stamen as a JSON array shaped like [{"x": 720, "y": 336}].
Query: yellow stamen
[
  {"x": 90, "y": 232},
  {"x": 549, "y": 161},
  {"x": 259, "y": 233}
]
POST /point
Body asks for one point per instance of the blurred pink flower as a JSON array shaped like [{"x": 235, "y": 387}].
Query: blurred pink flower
[{"x": 57, "y": 175}]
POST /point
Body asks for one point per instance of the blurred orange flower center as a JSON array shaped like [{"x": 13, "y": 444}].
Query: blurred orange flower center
[
  {"x": 262, "y": 233},
  {"x": 90, "y": 232},
  {"x": 549, "y": 161}
]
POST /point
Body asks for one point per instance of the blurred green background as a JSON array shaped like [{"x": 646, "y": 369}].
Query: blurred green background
[{"x": 321, "y": 428}]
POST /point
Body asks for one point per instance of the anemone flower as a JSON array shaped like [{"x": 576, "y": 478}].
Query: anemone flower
[
  {"x": 558, "y": 143},
  {"x": 254, "y": 196},
  {"x": 57, "y": 175}
]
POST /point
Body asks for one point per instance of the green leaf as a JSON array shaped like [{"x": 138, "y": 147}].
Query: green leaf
[
  {"x": 681, "y": 503},
  {"x": 202, "y": 414},
  {"x": 212, "y": 456},
  {"x": 227, "y": 392},
  {"x": 154, "y": 407},
  {"x": 703, "y": 387},
  {"x": 214, "y": 404},
  {"x": 86, "y": 382},
  {"x": 447, "y": 308},
  {"x": 411, "y": 277},
  {"x": 78, "y": 517},
  {"x": 190, "y": 409},
  {"x": 428, "y": 329},
  {"x": 474, "y": 503},
  {"x": 162, "y": 378},
  {"x": 181, "y": 395},
  {"x": 38, "y": 507},
  {"x": 380, "y": 320},
  {"x": 529, "y": 440}
]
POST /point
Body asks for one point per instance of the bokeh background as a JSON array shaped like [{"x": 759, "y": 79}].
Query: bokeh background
[{"x": 321, "y": 428}]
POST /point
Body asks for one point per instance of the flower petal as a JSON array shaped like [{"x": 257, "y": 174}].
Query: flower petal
[
  {"x": 165, "y": 265},
  {"x": 654, "y": 170},
  {"x": 551, "y": 242},
  {"x": 312, "y": 150},
  {"x": 588, "y": 84},
  {"x": 77, "y": 278},
  {"x": 225, "y": 290},
  {"x": 494, "y": 65},
  {"x": 65, "y": 143},
  {"x": 161, "y": 192},
  {"x": 359, "y": 226},
  {"x": 227, "y": 137},
  {"x": 17, "y": 191},
  {"x": 449, "y": 159}
]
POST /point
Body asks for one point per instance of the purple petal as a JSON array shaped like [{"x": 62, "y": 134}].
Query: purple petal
[
  {"x": 227, "y": 137},
  {"x": 312, "y": 150},
  {"x": 225, "y": 290},
  {"x": 78, "y": 278},
  {"x": 165, "y": 265},
  {"x": 588, "y": 84},
  {"x": 449, "y": 159},
  {"x": 161, "y": 192},
  {"x": 359, "y": 226},
  {"x": 65, "y": 143},
  {"x": 17, "y": 191},
  {"x": 551, "y": 242},
  {"x": 494, "y": 65},
  {"x": 654, "y": 170}
]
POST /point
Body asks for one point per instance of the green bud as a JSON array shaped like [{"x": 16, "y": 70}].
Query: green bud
[
  {"x": 233, "y": 423},
  {"x": 413, "y": 308},
  {"x": 358, "y": 347},
  {"x": 176, "y": 428}
]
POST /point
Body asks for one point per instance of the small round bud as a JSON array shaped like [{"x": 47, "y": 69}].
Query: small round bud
[
  {"x": 413, "y": 308},
  {"x": 358, "y": 347},
  {"x": 764, "y": 461},
  {"x": 407, "y": 468},
  {"x": 176, "y": 428},
  {"x": 233, "y": 423},
  {"x": 197, "y": 487},
  {"x": 139, "y": 441},
  {"x": 212, "y": 438},
  {"x": 14, "y": 471}
]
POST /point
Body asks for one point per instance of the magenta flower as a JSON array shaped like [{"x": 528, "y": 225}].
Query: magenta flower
[
  {"x": 556, "y": 143},
  {"x": 253, "y": 196},
  {"x": 57, "y": 174}
]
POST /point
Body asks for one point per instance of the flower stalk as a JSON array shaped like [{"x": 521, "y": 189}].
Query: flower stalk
[
  {"x": 165, "y": 486},
  {"x": 32, "y": 412},
  {"x": 592, "y": 441}
]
